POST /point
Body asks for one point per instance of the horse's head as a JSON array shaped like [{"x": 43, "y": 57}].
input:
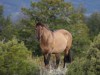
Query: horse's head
[{"x": 39, "y": 30}]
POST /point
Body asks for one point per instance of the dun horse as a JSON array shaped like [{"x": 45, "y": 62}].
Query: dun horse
[{"x": 54, "y": 43}]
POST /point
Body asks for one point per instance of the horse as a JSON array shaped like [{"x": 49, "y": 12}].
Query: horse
[{"x": 54, "y": 42}]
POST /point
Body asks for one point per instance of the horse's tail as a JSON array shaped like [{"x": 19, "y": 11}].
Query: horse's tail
[{"x": 68, "y": 57}]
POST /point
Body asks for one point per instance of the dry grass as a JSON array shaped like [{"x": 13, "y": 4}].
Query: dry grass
[{"x": 39, "y": 61}]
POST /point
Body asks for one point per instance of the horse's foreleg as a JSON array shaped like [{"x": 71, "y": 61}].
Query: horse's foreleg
[
  {"x": 57, "y": 59},
  {"x": 46, "y": 60}
]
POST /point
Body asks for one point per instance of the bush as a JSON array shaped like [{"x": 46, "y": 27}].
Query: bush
[
  {"x": 90, "y": 63},
  {"x": 15, "y": 59},
  {"x": 81, "y": 39}
]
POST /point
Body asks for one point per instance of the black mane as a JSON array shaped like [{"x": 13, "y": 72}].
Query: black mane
[{"x": 39, "y": 24}]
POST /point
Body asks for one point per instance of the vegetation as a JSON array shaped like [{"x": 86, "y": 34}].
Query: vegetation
[
  {"x": 81, "y": 39},
  {"x": 57, "y": 14},
  {"x": 15, "y": 59},
  {"x": 16, "y": 53},
  {"x": 93, "y": 23},
  {"x": 89, "y": 64}
]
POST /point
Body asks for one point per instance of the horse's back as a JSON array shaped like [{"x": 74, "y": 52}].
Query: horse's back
[
  {"x": 63, "y": 32},
  {"x": 61, "y": 39},
  {"x": 67, "y": 35}
]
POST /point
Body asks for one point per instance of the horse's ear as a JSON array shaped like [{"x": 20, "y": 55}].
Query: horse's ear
[{"x": 39, "y": 24}]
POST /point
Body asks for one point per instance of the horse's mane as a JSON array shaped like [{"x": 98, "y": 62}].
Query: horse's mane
[
  {"x": 39, "y": 24},
  {"x": 42, "y": 25}
]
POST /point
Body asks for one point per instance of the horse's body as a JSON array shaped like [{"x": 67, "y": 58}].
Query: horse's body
[{"x": 54, "y": 43}]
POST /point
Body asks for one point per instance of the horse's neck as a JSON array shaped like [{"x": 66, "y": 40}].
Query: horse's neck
[{"x": 45, "y": 36}]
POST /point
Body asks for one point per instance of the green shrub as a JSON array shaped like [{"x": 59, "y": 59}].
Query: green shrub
[
  {"x": 81, "y": 41},
  {"x": 15, "y": 59},
  {"x": 90, "y": 63}
]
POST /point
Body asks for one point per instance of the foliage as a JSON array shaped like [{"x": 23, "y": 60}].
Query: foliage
[
  {"x": 26, "y": 33},
  {"x": 1, "y": 18},
  {"x": 1, "y": 10},
  {"x": 90, "y": 63},
  {"x": 48, "y": 11},
  {"x": 93, "y": 22},
  {"x": 54, "y": 13},
  {"x": 81, "y": 39},
  {"x": 7, "y": 29},
  {"x": 15, "y": 59}
]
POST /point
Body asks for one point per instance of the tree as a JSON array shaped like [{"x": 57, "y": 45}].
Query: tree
[
  {"x": 81, "y": 40},
  {"x": 48, "y": 11},
  {"x": 26, "y": 32},
  {"x": 15, "y": 59},
  {"x": 7, "y": 29},
  {"x": 1, "y": 18},
  {"x": 45, "y": 11},
  {"x": 89, "y": 64},
  {"x": 93, "y": 22},
  {"x": 54, "y": 13}
]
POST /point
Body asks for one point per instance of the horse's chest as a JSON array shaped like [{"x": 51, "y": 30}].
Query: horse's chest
[{"x": 44, "y": 48}]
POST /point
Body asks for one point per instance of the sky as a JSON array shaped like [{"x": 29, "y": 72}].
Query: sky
[{"x": 13, "y": 7}]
